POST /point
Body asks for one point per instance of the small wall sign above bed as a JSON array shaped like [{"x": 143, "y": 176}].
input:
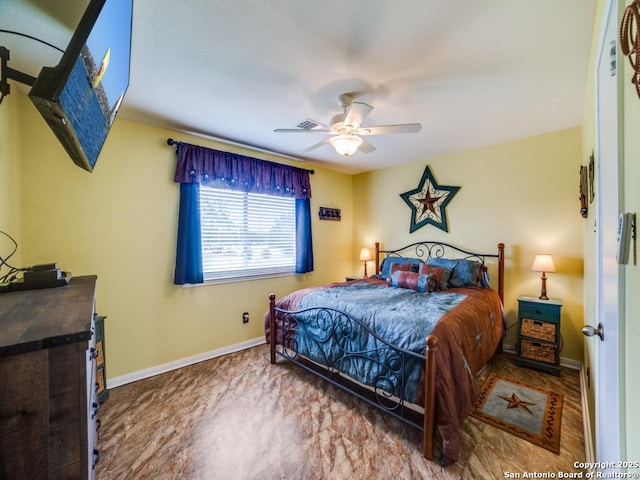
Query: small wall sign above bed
[{"x": 428, "y": 202}]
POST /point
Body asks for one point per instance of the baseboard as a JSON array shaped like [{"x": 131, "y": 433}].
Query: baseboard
[
  {"x": 167, "y": 367},
  {"x": 589, "y": 449}
]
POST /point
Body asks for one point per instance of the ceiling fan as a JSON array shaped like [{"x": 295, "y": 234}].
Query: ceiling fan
[{"x": 346, "y": 128}]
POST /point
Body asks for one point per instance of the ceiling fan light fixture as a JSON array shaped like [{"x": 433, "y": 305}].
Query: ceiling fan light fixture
[{"x": 346, "y": 145}]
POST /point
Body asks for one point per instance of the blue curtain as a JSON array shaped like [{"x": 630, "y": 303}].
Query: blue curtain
[
  {"x": 304, "y": 243},
  {"x": 198, "y": 165},
  {"x": 189, "y": 250}
]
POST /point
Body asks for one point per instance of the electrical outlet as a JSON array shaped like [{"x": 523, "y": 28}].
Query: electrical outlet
[{"x": 245, "y": 317}]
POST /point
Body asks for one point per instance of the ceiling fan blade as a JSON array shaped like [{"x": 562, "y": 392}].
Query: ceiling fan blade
[
  {"x": 356, "y": 113},
  {"x": 384, "y": 129},
  {"x": 301, "y": 130},
  {"x": 366, "y": 147},
  {"x": 317, "y": 145}
]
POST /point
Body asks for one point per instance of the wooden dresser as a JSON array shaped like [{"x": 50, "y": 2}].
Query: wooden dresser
[{"x": 48, "y": 402}]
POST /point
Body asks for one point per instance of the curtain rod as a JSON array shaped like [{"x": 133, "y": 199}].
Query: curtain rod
[{"x": 171, "y": 142}]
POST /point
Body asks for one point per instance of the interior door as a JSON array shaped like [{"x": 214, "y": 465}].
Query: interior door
[{"x": 609, "y": 421}]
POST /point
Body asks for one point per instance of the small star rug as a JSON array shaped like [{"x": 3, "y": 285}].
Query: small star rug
[{"x": 528, "y": 412}]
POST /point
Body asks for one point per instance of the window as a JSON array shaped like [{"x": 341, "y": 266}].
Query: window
[
  {"x": 258, "y": 223},
  {"x": 246, "y": 234}
]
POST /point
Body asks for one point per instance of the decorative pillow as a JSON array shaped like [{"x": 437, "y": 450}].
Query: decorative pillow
[
  {"x": 402, "y": 267},
  {"x": 413, "y": 280},
  {"x": 385, "y": 268},
  {"x": 441, "y": 275},
  {"x": 463, "y": 272}
]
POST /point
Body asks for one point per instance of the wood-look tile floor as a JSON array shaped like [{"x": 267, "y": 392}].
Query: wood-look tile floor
[{"x": 239, "y": 417}]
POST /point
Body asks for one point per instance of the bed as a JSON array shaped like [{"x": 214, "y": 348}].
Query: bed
[{"x": 409, "y": 340}]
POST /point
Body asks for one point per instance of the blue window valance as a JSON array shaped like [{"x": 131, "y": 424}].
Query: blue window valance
[{"x": 210, "y": 167}]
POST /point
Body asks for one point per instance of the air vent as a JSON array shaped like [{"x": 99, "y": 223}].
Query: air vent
[{"x": 307, "y": 124}]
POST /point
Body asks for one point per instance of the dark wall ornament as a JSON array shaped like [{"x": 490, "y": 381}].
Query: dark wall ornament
[
  {"x": 428, "y": 202},
  {"x": 592, "y": 176},
  {"x": 584, "y": 191},
  {"x": 630, "y": 39}
]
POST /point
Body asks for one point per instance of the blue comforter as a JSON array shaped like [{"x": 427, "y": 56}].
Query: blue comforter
[{"x": 397, "y": 315}]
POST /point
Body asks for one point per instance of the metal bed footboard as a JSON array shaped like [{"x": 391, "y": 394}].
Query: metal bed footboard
[{"x": 319, "y": 325}]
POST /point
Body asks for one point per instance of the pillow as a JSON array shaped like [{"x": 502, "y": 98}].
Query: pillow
[
  {"x": 441, "y": 275},
  {"x": 385, "y": 268},
  {"x": 413, "y": 280},
  {"x": 463, "y": 272},
  {"x": 402, "y": 267}
]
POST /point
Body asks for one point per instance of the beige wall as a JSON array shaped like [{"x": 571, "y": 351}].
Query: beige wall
[
  {"x": 10, "y": 188},
  {"x": 119, "y": 222},
  {"x": 522, "y": 193}
]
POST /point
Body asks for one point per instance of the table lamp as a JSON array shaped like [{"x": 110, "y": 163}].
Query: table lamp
[
  {"x": 544, "y": 264},
  {"x": 365, "y": 256}
]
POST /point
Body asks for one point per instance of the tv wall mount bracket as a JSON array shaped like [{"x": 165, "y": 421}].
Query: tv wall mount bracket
[{"x": 6, "y": 73}]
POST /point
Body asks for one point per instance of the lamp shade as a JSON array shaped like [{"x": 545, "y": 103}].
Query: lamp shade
[
  {"x": 346, "y": 144},
  {"x": 365, "y": 255},
  {"x": 543, "y": 263}
]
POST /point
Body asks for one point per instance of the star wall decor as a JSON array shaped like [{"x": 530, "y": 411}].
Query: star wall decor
[{"x": 428, "y": 202}]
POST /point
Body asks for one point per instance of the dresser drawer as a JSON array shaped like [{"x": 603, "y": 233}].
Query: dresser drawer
[
  {"x": 538, "y": 329},
  {"x": 549, "y": 313},
  {"x": 539, "y": 351}
]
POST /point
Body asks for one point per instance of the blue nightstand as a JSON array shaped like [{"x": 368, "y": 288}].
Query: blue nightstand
[{"x": 539, "y": 334}]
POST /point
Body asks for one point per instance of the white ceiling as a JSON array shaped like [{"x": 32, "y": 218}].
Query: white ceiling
[{"x": 473, "y": 73}]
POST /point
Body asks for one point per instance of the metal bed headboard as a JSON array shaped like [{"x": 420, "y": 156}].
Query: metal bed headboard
[{"x": 431, "y": 249}]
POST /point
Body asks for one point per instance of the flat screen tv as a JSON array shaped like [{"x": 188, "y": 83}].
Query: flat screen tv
[{"x": 79, "y": 98}]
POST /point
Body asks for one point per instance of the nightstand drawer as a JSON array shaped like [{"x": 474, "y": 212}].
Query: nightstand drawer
[
  {"x": 548, "y": 313},
  {"x": 538, "y": 329},
  {"x": 539, "y": 351}
]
